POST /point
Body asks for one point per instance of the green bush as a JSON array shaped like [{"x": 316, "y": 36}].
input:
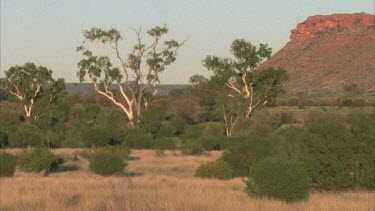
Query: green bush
[
  {"x": 166, "y": 143},
  {"x": 3, "y": 139},
  {"x": 74, "y": 138},
  {"x": 286, "y": 118},
  {"x": 292, "y": 101},
  {"x": 192, "y": 148},
  {"x": 278, "y": 179},
  {"x": 245, "y": 152},
  {"x": 107, "y": 164},
  {"x": 215, "y": 142},
  {"x": 97, "y": 137},
  {"x": 7, "y": 164},
  {"x": 25, "y": 135},
  {"x": 121, "y": 151},
  {"x": 218, "y": 169},
  {"x": 137, "y": 139},
  {"x": 363, "y": 132},
  {"x": 331, "y": 153},
  {"x": 39, "y": 159}
]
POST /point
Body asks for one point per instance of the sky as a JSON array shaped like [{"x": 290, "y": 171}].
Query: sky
[{"x": 47, "y": 32}]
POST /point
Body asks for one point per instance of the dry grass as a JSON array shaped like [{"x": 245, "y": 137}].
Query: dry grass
[{"x": 165, "y": 183}]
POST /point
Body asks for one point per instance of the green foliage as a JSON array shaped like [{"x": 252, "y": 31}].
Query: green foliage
[
  {"x": 121, "y": 151},
  {"x": 245, "y": 151},
  {"x": 166, "y": 143},
  {"x": 33, "y": 87},
  {"x": 192, "y": 148},
  {"x": 278, "y": 179},
  {"x": 111, "y": 121},
  {"x": 286, "y": 118},
  {"x": 137, "y": 139},
  {"x": 209, "y": 135},
  {"x": 7, "y": 164},
  {"x": 363, "y": 131},
  {"x": 330, "y": 153},
  {"x": 101, "y": 71},
  {"x": 74, "y": 138},
  {"x": 3, "y": 139},
  {"x": 218, "y": 169},
  {"x": 25, "y": 135},
  {"x": 107, "y": 163},
  {"x": 96, "y": 136},
  {"x": 38, "y": 159}
]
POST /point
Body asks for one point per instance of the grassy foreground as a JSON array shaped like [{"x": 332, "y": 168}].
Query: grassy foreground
[{"x": 156, "y": 183}]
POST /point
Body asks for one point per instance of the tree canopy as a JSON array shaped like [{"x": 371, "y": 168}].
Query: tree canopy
[
  {"x": 138, "y": 72},
  {"x": 33, "y": 87}
]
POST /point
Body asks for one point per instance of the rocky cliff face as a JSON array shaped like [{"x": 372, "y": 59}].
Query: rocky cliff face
[{"x": 326, "y": 52}]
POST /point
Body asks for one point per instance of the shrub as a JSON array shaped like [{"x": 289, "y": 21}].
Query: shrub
[
  {"x": 286, "y": 118},
  {"x": 292, "y": 101},
  {"x": 166, "y": 143},
  {"x": 38, "y": 159},
  {"x": 107, "y": 164},
  {"x": 192, "y": 148},
  {"x": 3, "y": 139},
  {"x": 74, "y": 138},
  {"x": 330, "y": 153},
  {"x": 215, "y": 142},
  {"x": 363, "y": 131},
  {"x": 121, "y": 151},
  {"x": 7, "y": 164},
  {"x": 25, "y": 135},
  {"x": 137, "y": 139},
  {"x": 97, "y": 137},
  {"x": 218, "y": 169},
  {"x": 278, "y": 179},
  {"x": 246, "y": 152}
]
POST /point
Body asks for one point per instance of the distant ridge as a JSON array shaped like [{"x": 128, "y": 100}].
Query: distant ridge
[{"x": 87, "y": 89}]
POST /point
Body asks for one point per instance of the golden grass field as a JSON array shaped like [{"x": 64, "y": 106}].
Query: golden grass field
[{"x": 157, "y": 183}]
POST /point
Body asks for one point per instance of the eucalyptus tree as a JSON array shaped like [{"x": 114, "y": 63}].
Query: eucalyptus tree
[
  {"x": 34, "y": 88},
  {"x": 136, "y": 72},
  {"x": 248, "y": 87}
]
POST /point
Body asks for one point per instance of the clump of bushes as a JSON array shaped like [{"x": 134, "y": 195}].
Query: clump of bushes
[
  {"x": 25, "y": 135},
  {"x": 218, "y": 169},
  {"x": 7, "y": 164},
  {"x": 137, "y": 139},
  {"x": 166, "y": 143},
  {"x": 192, "y": 148},
  {"x": 245, "y": 152},
  {"x": 278, "y": 179},
  {"x": 39, "y": 159},
  {"x": 121, "y": 151},
  {"x": 107, "y": 164}
]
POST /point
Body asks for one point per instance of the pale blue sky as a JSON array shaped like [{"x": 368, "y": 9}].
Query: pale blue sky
[{"x": 47, "y": 32}]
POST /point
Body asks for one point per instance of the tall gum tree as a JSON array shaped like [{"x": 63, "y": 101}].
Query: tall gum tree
[
  {"x": 139, "y": 71},
  {"x": 247, "y": 85},
  {"x": 34, "y": 88}
]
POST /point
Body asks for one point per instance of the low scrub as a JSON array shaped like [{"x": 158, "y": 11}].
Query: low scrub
[
  {"x": 121, "y": 151},
  {"x": 39, "y": 159},
  {"x": 192, "y": 148},
  {"x": 218, "y": 169},
  {"x": 166, "y": 143},
  {"x": 137, "y": 139},
  {"x": 245, "y": 152},
  {"x": 278, "y": 179},
  {"x": 107, "y": 164},
  {"x": 7, "y": 164}
]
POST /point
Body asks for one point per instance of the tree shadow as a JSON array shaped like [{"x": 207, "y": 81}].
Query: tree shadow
[
  {"x": 133, "y": 174},
  {"x": 133, "y": 158},
  {"x": 66, "y": 168}
]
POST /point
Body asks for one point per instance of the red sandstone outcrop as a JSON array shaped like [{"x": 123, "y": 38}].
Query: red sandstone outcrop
[{"x": 328, "y": 51}]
